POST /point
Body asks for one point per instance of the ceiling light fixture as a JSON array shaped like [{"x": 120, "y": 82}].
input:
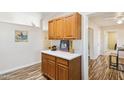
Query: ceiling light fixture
[{"x": 119, "y": 22}]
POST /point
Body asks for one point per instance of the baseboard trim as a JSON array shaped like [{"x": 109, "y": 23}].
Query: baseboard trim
[{"x": 17, "y": 68}]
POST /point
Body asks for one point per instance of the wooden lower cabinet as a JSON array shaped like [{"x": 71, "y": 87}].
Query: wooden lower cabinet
[
  {"x": 51, "y": 69},
  {"x": 44, "y": 66},
  {"x": 60, "y": 69},
  {"x": 48, "y": 66},
  {"x": 61, "y": 72}
]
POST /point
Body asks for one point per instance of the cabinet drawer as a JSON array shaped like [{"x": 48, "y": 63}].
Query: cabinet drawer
[
  {"x": 48, "y": 57},
  {"x": 62, "y": 61}
]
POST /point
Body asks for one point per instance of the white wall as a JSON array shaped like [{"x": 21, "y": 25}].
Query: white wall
[
  {"x": 23, "y": 18},
  {"x": 97, "y": 39},
  {"x": 14, "y": 55},
  {"x": 120, "y": 37},
  {"x": 90, "y": 42}
]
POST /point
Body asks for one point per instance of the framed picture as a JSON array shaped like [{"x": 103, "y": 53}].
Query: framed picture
[
  {"x": 21, "y": 36},
  {"x": 64, "y": 45}
]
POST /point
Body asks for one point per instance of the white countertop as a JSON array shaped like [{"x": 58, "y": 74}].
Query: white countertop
[{"x": 62, "y": 54}]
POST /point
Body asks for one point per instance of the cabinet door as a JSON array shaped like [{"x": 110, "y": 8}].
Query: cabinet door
[
  {"x": 52, "y": 29},
  {"x": 59, "y": 28},
  {"x": 44, "y": 66},
  {"x": 51, "y": 69},
  {"x": 61, "y": 72},
  {"x": 69, "y": 26}
]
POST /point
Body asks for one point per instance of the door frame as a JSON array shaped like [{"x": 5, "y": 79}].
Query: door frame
[{"x": 90, "y": 45}]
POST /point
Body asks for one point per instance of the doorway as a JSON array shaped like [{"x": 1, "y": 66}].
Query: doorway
[
  {"x": 104, "y": 41},
  {"x": 112, "y": 40}
]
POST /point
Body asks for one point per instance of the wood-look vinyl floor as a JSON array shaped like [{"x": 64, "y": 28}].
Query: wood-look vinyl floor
[
  {"x": 99, "y": 70},
  {"x": 28, "y": 73}
]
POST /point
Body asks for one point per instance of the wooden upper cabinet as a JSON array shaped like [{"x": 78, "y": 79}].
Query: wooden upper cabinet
[
  {"x": 68, "y": 27},
  {"x": 52, "y": 29},
  {"x": 69, "y": 31},
  {"x": 72, "y": 27},
  {"x": 59, "y": 28}
]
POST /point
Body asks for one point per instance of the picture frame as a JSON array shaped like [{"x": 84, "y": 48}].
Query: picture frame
[{"x": 21, "y": 36}]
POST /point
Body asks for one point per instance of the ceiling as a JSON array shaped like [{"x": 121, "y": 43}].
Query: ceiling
[
  {"x": 51, "y": 15},
  {"x": 105, "y": 18},
  {"x": 46, "y": 15}
]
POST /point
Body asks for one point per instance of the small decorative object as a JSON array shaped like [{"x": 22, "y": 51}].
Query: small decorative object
[
  {"x": 21, "y": 36},
  {"x": 71, "y": 50},
  {"x": 54, "y": 48},
  {"x": 49, "y": 48},
  {"x": 64, "y": 45}
]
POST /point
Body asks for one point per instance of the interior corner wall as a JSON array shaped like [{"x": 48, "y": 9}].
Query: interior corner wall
[
  {"x": 14, "y": 55},
  {"x": 97, "y": 39}
]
